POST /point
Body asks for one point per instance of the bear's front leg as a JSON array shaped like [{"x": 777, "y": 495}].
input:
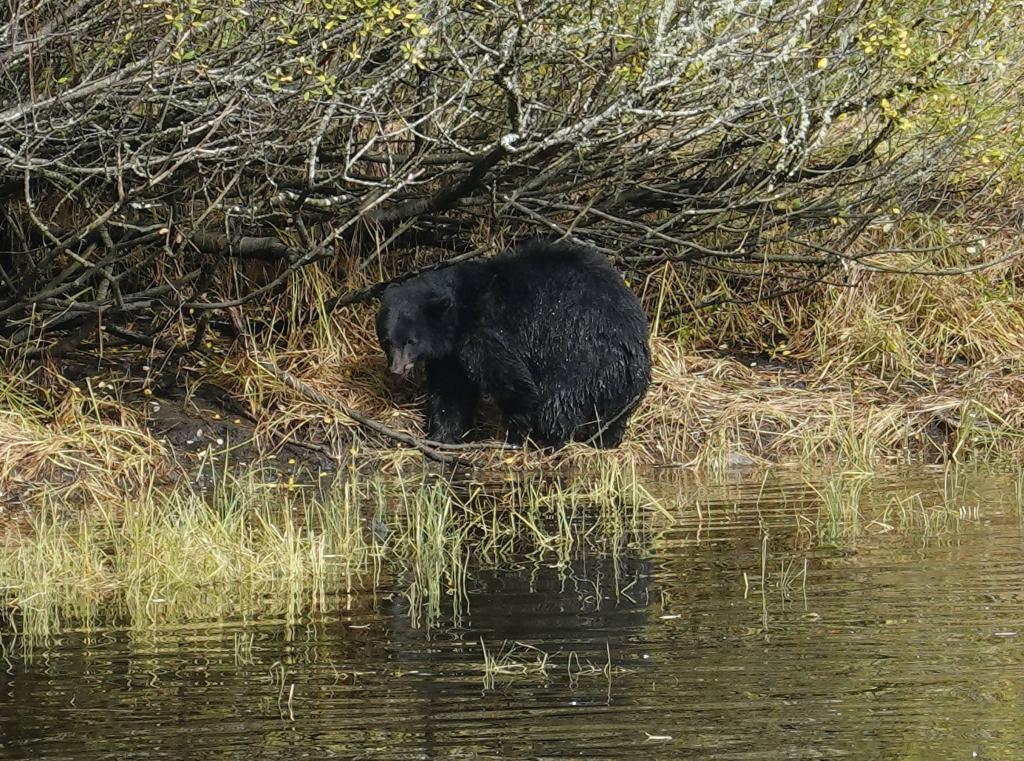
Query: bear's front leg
[
  {"x": 451, "y": 402},
  {"x": 516, "y": 394},
  {"x": 501, "y": 372}
]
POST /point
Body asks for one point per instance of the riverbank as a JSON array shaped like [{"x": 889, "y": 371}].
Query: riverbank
[{"x": 887, "y": 367}]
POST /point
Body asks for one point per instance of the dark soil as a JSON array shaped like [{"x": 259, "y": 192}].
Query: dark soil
[{"x": 200, "y": 424}]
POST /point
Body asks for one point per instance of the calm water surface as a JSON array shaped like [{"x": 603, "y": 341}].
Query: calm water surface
[{"x": 756, "y": 624}]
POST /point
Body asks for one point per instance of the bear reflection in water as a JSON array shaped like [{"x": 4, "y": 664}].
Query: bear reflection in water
[{"x": 549, "y": 331}]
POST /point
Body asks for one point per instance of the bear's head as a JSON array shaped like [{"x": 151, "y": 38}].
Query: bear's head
[{"x": 417, "y": 321}]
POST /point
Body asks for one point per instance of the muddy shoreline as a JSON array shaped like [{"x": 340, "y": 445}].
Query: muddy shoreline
[{"x": 199, "y": 421}]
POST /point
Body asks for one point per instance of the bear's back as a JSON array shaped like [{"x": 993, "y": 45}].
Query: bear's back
[
  {"x": 556, "y": 300},
  {"x": 540, "y": 273},
  {"x": 537, "y": 255}
]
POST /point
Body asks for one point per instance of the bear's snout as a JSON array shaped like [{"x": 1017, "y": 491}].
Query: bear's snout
[{"x": 401, "y": 362}]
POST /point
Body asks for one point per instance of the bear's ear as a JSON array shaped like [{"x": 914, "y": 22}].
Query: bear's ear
[{"x": 439, "y": 303}]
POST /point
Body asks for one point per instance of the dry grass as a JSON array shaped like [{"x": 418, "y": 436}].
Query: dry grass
[
  {"x": 878, "y": 320},
  {"x": 709, "y": 409},
  {"x": 72, "y": 443}
]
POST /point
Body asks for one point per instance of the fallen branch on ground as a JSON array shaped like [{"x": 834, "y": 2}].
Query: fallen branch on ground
[{"x": 364, "y": 420}]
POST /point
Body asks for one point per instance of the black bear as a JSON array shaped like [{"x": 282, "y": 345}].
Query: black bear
[{"x": 548, "y": 330}]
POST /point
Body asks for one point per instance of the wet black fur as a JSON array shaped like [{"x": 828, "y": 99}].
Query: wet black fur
[{"x": 548, "y": 330}]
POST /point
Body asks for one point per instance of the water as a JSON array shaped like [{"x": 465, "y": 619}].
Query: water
[{"x": 765, "y": 621}]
